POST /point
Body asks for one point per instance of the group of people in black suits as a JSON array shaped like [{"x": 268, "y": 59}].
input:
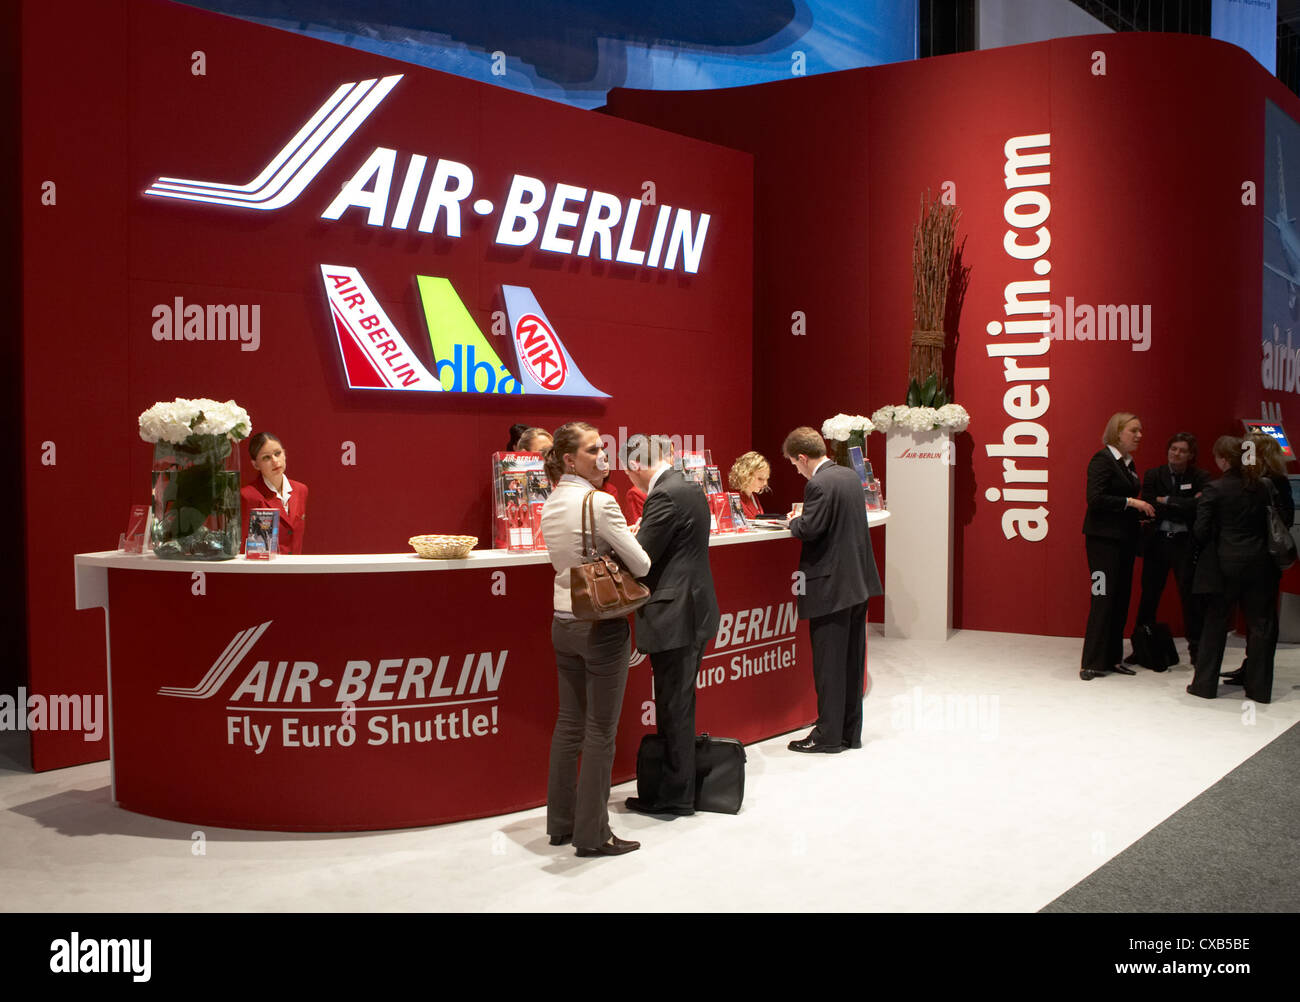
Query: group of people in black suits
[
  {"x": 668, "y": 550},
  {"x": 1211, "y": 534}
]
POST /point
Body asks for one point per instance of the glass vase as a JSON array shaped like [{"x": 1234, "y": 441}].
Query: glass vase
[
  {"x": 196, "y": 499},
  {"x": 840, "y": 450}
]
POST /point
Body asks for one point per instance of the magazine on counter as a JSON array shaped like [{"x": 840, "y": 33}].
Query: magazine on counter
[
  {"x": 137, "y": 529},
  {"x": 692, "y": 466},
  {"x": 859, "y": 464},
  {"x": 720, "y": 514},
  {"x": 263, "y": 539},
  {"x": 737, "y": 511},
  {"x": 870, "y": 485},
  {"x": 519, "y": 489},
  {"x": 873, "y": 494},
  {"x": 713, "y": 481}
]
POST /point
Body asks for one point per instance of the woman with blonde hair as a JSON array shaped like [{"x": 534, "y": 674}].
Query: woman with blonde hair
[
  {"x": 749, "y": 475},
  {"x": 591, "y": 657},
  {"x": 1112, "y": 531}
]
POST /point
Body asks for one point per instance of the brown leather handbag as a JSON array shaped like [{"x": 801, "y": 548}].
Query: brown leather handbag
[{"x": 600, "y": 588}]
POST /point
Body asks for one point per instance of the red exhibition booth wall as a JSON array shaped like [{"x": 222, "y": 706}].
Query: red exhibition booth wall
[
  {"x": 1151, "y": 195},
  {"x": 120, "y": 94}
]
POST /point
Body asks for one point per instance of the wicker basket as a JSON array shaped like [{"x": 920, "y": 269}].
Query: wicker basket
[{"x": 443, "y": 547}]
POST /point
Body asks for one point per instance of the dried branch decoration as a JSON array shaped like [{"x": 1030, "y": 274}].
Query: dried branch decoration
[{"x": 932, "y": 259}]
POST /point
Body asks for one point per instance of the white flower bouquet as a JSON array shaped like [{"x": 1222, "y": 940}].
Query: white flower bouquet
[
  {"x": 840, "y": 427},
  {"x": 952, "y": 417},
  {"x": 177, "y": 420}
]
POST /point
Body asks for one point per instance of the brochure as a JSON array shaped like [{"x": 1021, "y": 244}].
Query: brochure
[
  {"x": 519, "y": 489},
  {"x": 692, "y": 467},
  {"x": 263, "y": 539},
  {"x": 137, "y": 527},
  {"x": 737, "y": 512}
]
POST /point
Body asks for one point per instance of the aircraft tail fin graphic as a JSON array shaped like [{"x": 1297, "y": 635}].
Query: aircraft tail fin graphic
[
  {"x": 375, "y": 354},
  {"x": 458, "y": 343},
  {"x": 545, "y": 364}
]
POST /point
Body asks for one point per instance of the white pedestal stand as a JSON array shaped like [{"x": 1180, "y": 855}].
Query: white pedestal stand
[{"x": 919, "y": 488}]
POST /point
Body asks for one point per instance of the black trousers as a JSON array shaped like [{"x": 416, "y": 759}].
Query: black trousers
[
  {"x": 1256, "y": 589},
  {"x": 675, "y": 672},
  {"x": 839, "y": 650},
  {"x": 1167, "y": 553},
  {"x": 1103, "y": 640}
]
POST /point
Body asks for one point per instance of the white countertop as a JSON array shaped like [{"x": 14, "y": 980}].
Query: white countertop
[{"x": 92, "y": 582}]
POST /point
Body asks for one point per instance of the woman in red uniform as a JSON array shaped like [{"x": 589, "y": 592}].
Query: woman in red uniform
[
  {"x": 749, "y": 475},
  {"x": 272, "y": 489}
]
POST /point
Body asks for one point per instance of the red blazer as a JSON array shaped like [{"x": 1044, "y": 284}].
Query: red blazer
[
  {"x": 748, "y": 505},
  {"x": 634, "y": 504},
  {"x": 293, "y": 523}
]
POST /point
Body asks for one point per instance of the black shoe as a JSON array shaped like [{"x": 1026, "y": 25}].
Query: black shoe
[
  {"x": 1232, "y": 677},
  {"x": 1130, "y": 660},
  {"x": 1121, "y": 669},
  {"x": 1161, "y": 668},
  {"x": 614, "y": 847},
  {"x": 811, "y": 744},
  {"x": 1190, "y": 693},
  {"x": 1087, "y": 674},
  {"x": 850, "y": 744},
  {"x": 641, "y": 807},
  {"x": 561, "y": 839}
]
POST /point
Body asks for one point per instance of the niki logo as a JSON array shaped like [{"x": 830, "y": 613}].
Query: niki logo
[
  {"x": 398, "y": 189},
  {"x": 376, "y": 356},
  {"x": 539, "y": 352}
]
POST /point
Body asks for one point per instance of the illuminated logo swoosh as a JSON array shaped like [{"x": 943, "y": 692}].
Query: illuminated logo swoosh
[{"x": 299, "y": 161}]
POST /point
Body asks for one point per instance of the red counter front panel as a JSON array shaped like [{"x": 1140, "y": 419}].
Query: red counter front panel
[{"x": 388, "y": 700}]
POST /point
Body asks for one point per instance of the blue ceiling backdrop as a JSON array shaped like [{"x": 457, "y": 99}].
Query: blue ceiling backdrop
[{"x": 575, "y": 52}]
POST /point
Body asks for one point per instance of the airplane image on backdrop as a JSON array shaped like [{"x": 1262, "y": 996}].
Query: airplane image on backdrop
[{"x": 1284, "y": 224}]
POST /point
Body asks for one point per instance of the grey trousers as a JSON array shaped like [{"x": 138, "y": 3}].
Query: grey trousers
[{"x": 591, "y": 659}]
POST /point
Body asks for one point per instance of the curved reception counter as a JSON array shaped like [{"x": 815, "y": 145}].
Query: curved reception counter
[{"x": 353, "y": 692}]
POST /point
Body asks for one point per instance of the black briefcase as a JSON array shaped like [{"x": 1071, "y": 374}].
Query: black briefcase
[
  {"x": 719, "y": 772},
  {"x": 1153, "y": 646}
]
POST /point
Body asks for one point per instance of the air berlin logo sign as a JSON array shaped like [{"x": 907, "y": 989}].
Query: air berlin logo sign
[
  {"x": 282, "y": 706},
  {"x": 397, "y": 190},
  {"x": 376, "y": 356}
]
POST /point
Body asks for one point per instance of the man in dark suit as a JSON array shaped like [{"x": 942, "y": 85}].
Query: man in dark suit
[
  {"x": 838, "y": 574},
  {"x": 677, "y": 623},
  {"x": 1172, "y": 489}
]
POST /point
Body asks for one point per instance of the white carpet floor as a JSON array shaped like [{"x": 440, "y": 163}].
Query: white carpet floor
[{"x": 991, "y": 780}]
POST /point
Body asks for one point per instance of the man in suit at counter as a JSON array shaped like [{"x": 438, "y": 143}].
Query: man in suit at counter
[
  {"x": 676, "y": 624},
  {"x": 1172, "y": 489},
  {"x": 838, "y": 574}
]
